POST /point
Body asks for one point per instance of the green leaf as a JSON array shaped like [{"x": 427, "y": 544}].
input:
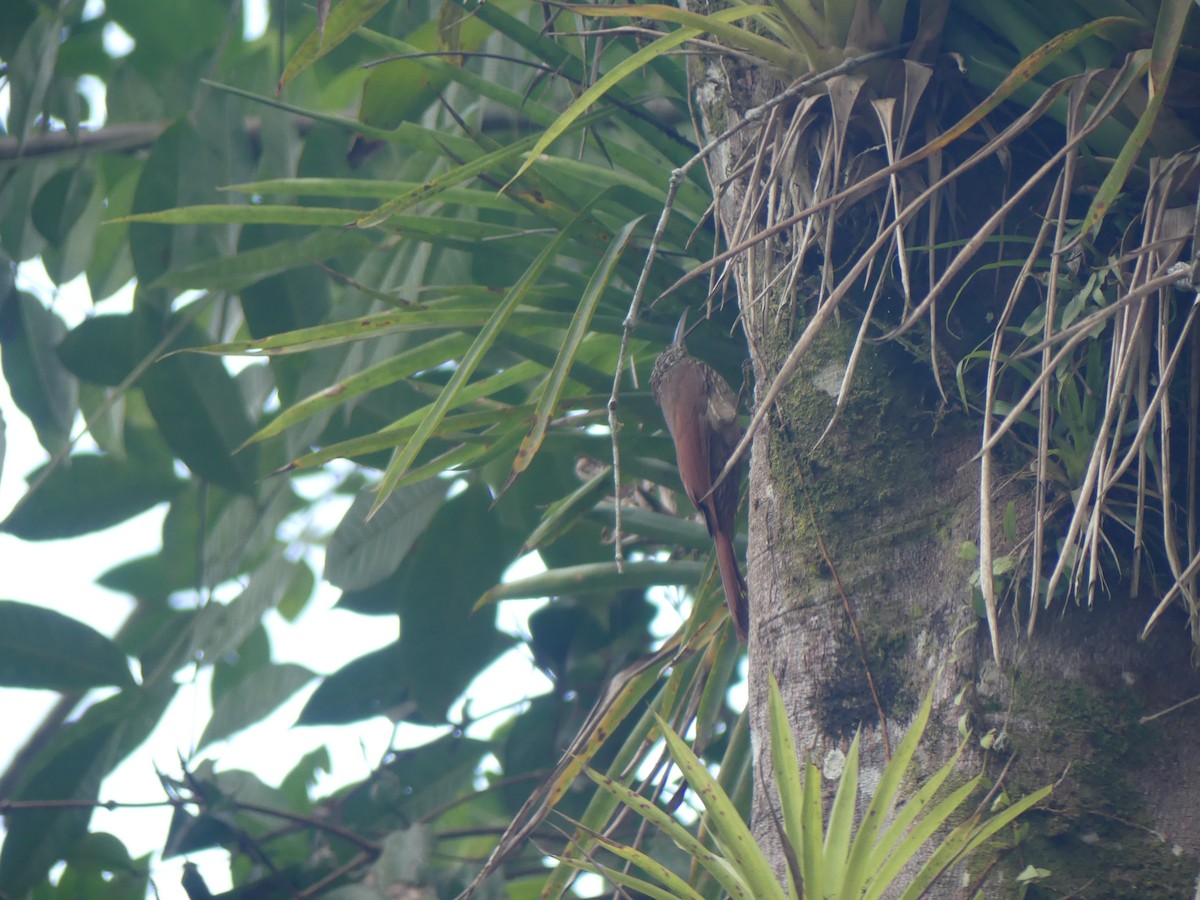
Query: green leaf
[
  {"x": 841, "y": 822},
  {"x": 626, "y": 67},
  {"x": 101, "y": 852},
  {"x": 422, "y": 780},
  {"x": 158, "y": 187},
  {"x": 88, "y": 493},
  {"x": 303, "y": 777},
  {"x": 677, "y": 887},
  {"x": 791, "y": 787},
  {"x": 966, "y": 837},
  {"x": 443, "y": 646},
  {"x": 596, "y": 577},
  {"x": 364, "y": 687},
  {"x": 812, "y": 858},
  {"x": 299, "y": 592},
  {"x": 203, "y": 417},
  {"x": 61, "y": 201},
  {"x": 105, "y": 349},
  {"x": 110, "y": 266},
  {"x": 669, "y": 530},
  {"x": 202, "y": 150},
  {"x": 235, "y": 214},
  {"x": 444, "y": 643},
  {"x": 1168, "y": 34},
  {"x": 659, "y": 819},
  {"x": 39, "y": 837},
  {"x": 69, "y": 256},
  {"x": 363, "y": 552},
  {"x": 563, "y": 514},
  {"x": 344, "y": 19},
  {"x": 30, "y": 71},
  {"x": 221, "y": 628},
  {"x": 40, "y": 386},
  {"x": 253, "y": 700},
  {"x": 427, "y": 354},
  {"x": 731, "y": 832},
  {"x": 552, "y": 388},
  {"x": 404, "y": 456},
  {"x": 375, "y": 325},
  {"x": 233, "y": 273},
  {"x": 1010, "y": 522},
  {"x": 632, "y": 693},
  {"x": 863, "y": 861},
  {"x": 41, "y": 648}
]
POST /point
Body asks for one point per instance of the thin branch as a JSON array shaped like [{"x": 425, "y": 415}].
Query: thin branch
[
  {"x": 346, "y": 868},
  {"x": 196, "y": 800}
]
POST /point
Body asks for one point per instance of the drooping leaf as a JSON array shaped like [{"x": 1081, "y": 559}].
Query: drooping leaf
[
  {"x": 202, "y": 414},
  {"x": 89, "y": 493},
  {"x": 364, "y": 687},
  {"x": 42, "y": 648},
  {"x": 221, "y": 628},
  {"x": 551, "y": 390},
  {"x": 40, "y": 386},
  {"x": 363, "y": 552},
  {"x": 254, "y": 699},
  {"x": 405, "y": 455}
]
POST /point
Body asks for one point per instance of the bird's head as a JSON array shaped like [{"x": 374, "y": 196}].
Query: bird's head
[{"x": 672, "y": 354}]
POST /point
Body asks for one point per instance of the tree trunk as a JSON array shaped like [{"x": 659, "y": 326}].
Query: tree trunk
[{"x": 867, "y": 525}]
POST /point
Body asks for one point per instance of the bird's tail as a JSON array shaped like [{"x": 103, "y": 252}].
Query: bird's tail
[{"x": 734, "y": 584}]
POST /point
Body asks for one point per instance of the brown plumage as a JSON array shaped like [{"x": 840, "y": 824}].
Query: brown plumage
[{"x": 701, "y": 413}]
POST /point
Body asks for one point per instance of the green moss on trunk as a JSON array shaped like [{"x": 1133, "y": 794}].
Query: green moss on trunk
[
  {"x": 1096, "y": 820},
  {"x": 868, "y": 488}
]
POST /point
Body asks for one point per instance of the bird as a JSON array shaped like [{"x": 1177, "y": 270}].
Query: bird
[{"x": 702, "y": 417}]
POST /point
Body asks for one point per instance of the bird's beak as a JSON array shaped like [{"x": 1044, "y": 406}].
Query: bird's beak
[{"x": 681, "y": 328}]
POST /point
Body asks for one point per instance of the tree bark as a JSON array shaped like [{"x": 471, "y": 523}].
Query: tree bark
[{"x": 870, "y": 520}]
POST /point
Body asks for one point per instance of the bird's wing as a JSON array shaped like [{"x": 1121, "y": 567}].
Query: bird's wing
[{"x": 690, "y": 430}]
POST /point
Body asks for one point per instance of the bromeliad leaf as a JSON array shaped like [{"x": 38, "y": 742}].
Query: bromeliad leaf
[{"x": 732, "y": 834}]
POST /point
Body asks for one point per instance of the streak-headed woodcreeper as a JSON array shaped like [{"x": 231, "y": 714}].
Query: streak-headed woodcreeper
[{"x": 701, "y": 413}]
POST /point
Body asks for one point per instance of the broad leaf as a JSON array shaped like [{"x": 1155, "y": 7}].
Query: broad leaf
[
  {"x": 254, "y": 699},
  {"x": 42, "y": 648},
  {"x": 89, "y": 493},
  {"x": 363, "y": 552}
]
